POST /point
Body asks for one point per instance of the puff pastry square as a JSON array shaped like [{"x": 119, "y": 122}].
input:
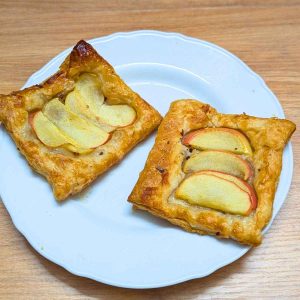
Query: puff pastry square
[
  {"x": 68, "y": 172},
  {"x": 162, "y": 174}
]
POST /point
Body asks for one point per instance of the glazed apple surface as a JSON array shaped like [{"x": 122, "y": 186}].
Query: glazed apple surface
[
  {"x": 214, "y": 190},
  {"x": 217, "y": 160},
  {"x": 46, "y": 131},
  {"x": 84, "y": 121},
  {"x": 218, "y": 139},
  {"x": 76, "y": 105},
  {"x": 84, "y": 133},
  {"x": 88, "y": 100},
  {"x": 51, "y": 136}
]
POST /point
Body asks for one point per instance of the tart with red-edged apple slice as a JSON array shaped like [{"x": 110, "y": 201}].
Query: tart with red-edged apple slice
[
  {"x": 212, "y": 173},
  {"x": 79, "y": 123}
]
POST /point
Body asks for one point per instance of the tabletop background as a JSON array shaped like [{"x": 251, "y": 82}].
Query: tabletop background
[{"x": 265, "y": 34}]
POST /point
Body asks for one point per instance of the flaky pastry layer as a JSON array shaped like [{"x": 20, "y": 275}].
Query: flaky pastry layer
[
  {"x": 162, "y": 173},
  {"x": 69, "y": 173}
]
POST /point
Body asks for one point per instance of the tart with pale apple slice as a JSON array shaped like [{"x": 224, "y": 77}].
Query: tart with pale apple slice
[
  {"x": 212, "y": 173},
  {"x": 78, "y": 123}
]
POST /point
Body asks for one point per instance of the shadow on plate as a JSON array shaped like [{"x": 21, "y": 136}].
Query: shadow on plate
[{"x": 147, "y": 217}]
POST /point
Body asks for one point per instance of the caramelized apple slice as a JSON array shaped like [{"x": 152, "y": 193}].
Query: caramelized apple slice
[
  {"x": 214, "y": 192},
  {"x": 117, "y": 115},
  {"x": 46, "y": 131},
  {"x": 218, "y": 139},
  {"x": 218, "y": 161},
  {"x": 76, "y": 105},
  {"x": 84, "y": 133}
]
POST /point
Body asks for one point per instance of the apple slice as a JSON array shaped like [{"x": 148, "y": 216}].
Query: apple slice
[
  {"x": 241, "y": 183},
  {"x": 46, "y": 131},
  {"x": 215, "y": 192},
  {"x": 218, "y": 139},
  {"x": 75, "y": 104},
  {"x": 84, "y": 133},
  {"x": 89, "y": 89},
  {"x": 117, "y": 115},
  {"x": 78, "y": 150},
  {"x": 218, "y": 161},
  {"x": 51, "y": 136}
]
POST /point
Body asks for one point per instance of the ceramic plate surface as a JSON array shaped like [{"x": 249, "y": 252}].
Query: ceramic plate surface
[{"x": 99, "y": 235}]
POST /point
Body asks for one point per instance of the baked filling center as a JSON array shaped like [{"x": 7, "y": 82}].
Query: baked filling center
[
  {"x": 218, "y": 174},
  {"x": 84, "y": 121}
]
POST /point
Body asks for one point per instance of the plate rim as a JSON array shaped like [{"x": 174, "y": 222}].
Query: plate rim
[
  {"x": 167, "y": 34},
  {"x": 20, "y": 226}
]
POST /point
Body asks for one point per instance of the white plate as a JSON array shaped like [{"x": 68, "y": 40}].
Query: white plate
[{"x": 99, "y": 236}]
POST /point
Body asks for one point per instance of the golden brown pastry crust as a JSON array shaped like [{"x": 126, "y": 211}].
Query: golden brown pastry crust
[
  {"x": 163, "y": 171},
  {"x": 69, "y": 173}
]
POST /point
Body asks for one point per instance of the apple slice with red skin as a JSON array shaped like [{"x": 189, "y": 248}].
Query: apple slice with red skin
[
  {"x": 208, "y": 190},
  {"x": 51, "y": 136},
  {"x": 226, "y": 139},
  {"x": 245, "y": 186},
  {"x": 217, "y": 160}
]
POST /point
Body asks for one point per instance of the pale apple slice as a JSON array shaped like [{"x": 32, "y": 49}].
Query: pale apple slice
[
  {"x": 218, "y": 139},
  {"x": 117, "y": 115},
  {"x": 84, "y": 133},
  {"x": 78, "y": 150},
  {"x": 214, "y": 192},
  {"x": 46, "y": 131},
  {"x": 89, "y": 89},
  {"x": 51, "y": 136},
  {"x": 75, "y": 104},
  {"x": 218, "y": 161}
]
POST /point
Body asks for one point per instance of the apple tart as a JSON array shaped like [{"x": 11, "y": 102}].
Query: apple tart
[
  {"x": 78, "y": 123},
  {"x": 213, "y": 173}
]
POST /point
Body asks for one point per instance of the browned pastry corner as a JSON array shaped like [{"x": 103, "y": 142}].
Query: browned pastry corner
[
  {"x": 163, "y": 173},
  {"x": 69, "y": 172}
]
